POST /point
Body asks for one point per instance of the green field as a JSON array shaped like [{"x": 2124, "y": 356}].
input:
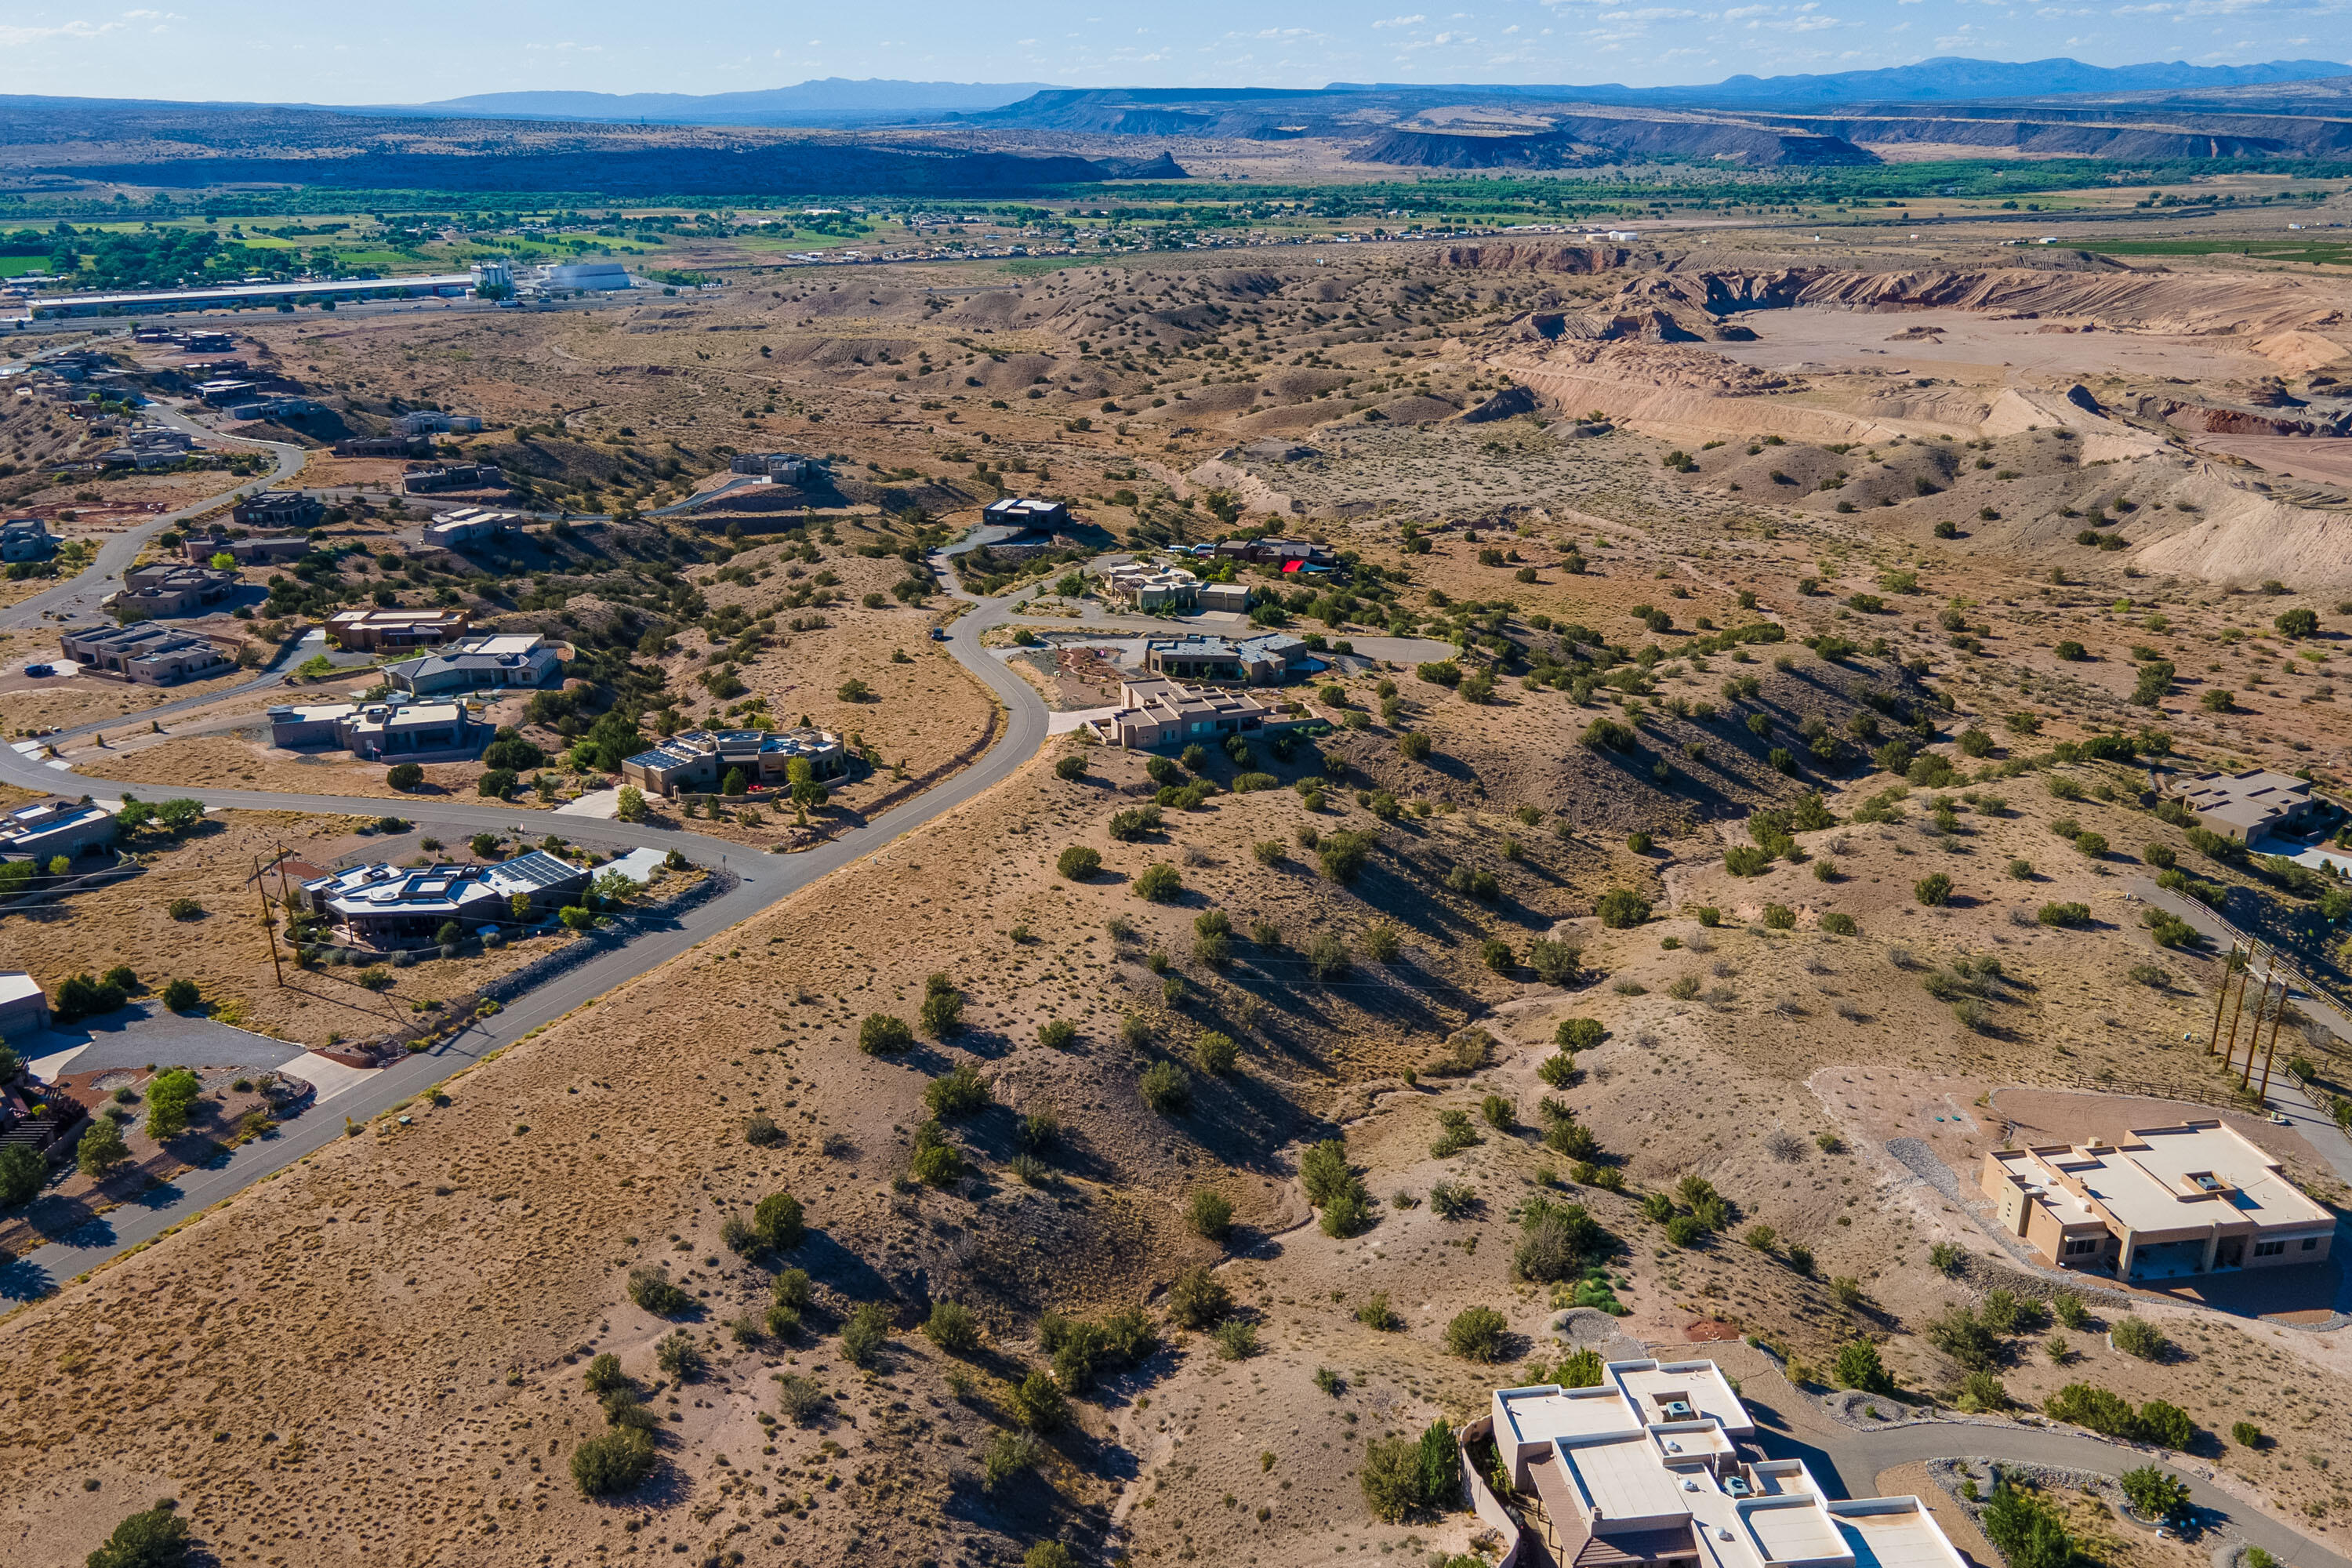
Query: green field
[
  {"x": 17, "y": 266},
  {"x": 2319, "y": 253}
]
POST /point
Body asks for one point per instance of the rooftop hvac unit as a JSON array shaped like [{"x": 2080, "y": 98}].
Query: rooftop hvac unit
[{"x": 1678, "y": 1410}]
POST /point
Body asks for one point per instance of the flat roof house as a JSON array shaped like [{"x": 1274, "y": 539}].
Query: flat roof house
[
  {"x": 698, "y": 761},
  {"x": 1251, "y": 661},
  {"x": 24, "y": 1005},
  {"x": 51, "y": 827},
  {"x": 372, "y": 631},
  {"x": 472, "y": 664},
  {"x": 25, "y": 539},
  {"x": 143, "y": 652},
  {"x": 2162, "y": 1204},
  {"x": 1285, "y": 554},
  {"x": 388, "y": 905},
  {"x": 1026, "y": 511},
  {"x": 435, "y": 477},
  {"x": 1162, "y": 713},
  {"x": 1658, "y": 1464},
  {"x": 283, "y": 510},
  {"x": 777, "y": 467},
  {"x": 169, "y": 589},
  {"x": 2248, "y": 804},
  {"x": 1152, "y": 587},
  {"x": 469, "y": 525},
  {"x": 246, "y": 552}
]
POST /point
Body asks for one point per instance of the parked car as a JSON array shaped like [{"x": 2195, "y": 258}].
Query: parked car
[
  {"x": 938, "y": 634},
  {"x": 41, "y": 669}
]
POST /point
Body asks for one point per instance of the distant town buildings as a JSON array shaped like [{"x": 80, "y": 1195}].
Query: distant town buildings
[
  {"x": 143, "y": 652},
  {"x": 375, "y": 630},
  {"x": 51, "y": 827},
  {"x": 379, "y": 732},
  {"x": 2159, "y": 1203},
  {"x": 479, "y": 663},
  {"x": 698, "y": 761}
]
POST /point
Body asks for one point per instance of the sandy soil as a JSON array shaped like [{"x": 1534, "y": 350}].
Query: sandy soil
[{"x": 1970, "y": 343}]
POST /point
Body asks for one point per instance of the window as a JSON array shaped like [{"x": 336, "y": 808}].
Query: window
[
  {"x": 2083, "y": 1244},
  {"x": 2310, "y": 1242},
  {"x": 2269, "y": 1249}
]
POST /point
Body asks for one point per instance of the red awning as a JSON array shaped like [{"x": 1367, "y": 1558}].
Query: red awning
[{"x": 1292, "y": 565}]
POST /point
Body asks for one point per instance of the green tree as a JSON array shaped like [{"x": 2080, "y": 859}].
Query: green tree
[
  {"x": 1622, "y": 908},
  {"x": 2157, "y": 1493},
  {"x": 1476, "y": 1334},
  {"x": 156, "y": 1538},
  {"x": 632, "y": 807},
  {"x": 618, "y": 1461},
  {"x": 2025, "y": 1529},
  {"x": 1078, "y": 862},
  {"x": 170, "y": 1095},
  {"x": 22, "y": 1172},
  {"x": 1158, "y": 883},
  {"x": 101, "y": 1148},
  {"x": 1858, "y": 1366},
  {"x": 882, "y": 1036},
  {"x": 952, "y": 1328},
  {"x": 181, "y": 996}
]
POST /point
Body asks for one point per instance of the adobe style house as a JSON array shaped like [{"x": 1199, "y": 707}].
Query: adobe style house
[
  {"x": 471, "y": 664},
  {"x": 143, "y": 652},
  {"x": 1152, "y": 587},
  {"x": 48, "y": 828},
  {"x": 698, "y": 761},
  {"x": 2162, "y": 1203},
  {"x": 1026, "y": 511},
  {"x": 1658, "y": 1464},
  {"x": 166, "y": 588},
  {"x": 1155, "y": 712},
  {"x": 380, "y": 732},
  {"x": 2245, "y": 806},
  {"x": 24, "y": 1005},
  {"x": 374, "y": 631}
]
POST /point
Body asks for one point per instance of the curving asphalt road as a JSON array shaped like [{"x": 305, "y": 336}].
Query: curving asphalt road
[
  {"x": 1849, "y": 1466},
  {"x": 760, "y": 881},
  {"x": 79, "y": 595}
]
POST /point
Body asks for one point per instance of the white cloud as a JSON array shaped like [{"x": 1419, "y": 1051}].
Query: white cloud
[
  {"x": 17, "y": 38},
  {"x": 1400, "y": 21}
]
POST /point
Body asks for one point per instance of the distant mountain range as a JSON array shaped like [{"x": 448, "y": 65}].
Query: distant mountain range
[
  {"x": 835, "y": 100},
  {"x": 1945, "y": 78}
]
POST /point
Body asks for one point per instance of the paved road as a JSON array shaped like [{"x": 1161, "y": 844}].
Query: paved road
[
  {"x": 1849, "y": 1466},
  {"x": 79, "y": 595},
  {"x": 764, "y": 880}
]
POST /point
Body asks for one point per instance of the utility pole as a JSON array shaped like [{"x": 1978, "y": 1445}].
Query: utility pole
[
  {"x": 2230, "y": 1055},
  {"x": 2222, "y": 997},
  {"x": 2278, "y": 1016},
  {"x": 269, "y": 926}
]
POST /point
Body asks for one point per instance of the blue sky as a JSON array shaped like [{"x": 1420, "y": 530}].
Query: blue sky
[{"x": 274, "y": 50}]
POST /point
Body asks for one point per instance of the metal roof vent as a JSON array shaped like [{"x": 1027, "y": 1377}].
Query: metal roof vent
[{"x": 1678, "y": 1409}]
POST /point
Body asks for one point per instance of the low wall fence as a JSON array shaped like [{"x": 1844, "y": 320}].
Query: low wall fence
[{"x": 1483, "y": 1502}]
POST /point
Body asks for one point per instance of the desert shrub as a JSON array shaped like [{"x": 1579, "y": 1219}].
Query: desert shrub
[
  {"x": 952, "y": 1328},
  {"x": 618, "y": 1461},
  {"x": 1381, "y": 942},
  {"x": 678, "y": 1355},
  {"x": 1198, "y": 1300},
  {"x": 1078, "y": 862},
  {"x": 1007, "y": 1455},
  {"x": 1579, "y": 1034},
  {"x": 1965, "y": 1337},
  {"x": 1476, "y": 1334},
  {"x": 1211, "y": 1214},
  {"x": 101, "y": 1148},
  {"x": 1166, "y": 1088},
  {"x": 1554, "y": 962},
  {"x": 1214, "y": 1052},
  {"x": 2246, "y": 1434},
  {"x": 867, "y": 1329},
  {"x": 802, "y": 1399},
  {"x": 1779, "y": 917},
  {"x": 1466, "y": 1049},
  {"x": 882, "y": 1036},
  {"x": 1135, "y": 823},
  {"x": 604, "y": 1375},
  {"x": 1037, "y": 1403},
  {"x": 933, "y": 1161},
  {"x": 2165, "y": 1425},
  {"x": 2138, "y": 1336},
  {"x": 761, "y": 1132},
  {"x": 1837, "y": 924},
  {"x": 1236, "y": 1339},
  {"x": 780, "y": 1223},
  {"x": 1557, "y": 1241},
  {"x": 1324, "y": 1171},
  {"x": 1158, "y": 883},
  {"x": 1327, "y": 957},
  {"x": 959, "y": 1091},
  {"x": 1858, "y": 1366},
  {"x": 1377, "y": 1314},
  {"x": 1454, "y": 1134},
  {"x": 1451, "y": 1200},
  {"x": 405, "y": 776},
  {"x": 2064, "y": 914},
  {"x": 1932, "y": 889},
  {"x": 651, "y": 1288},
  {"x": 1559, "y": 1069},
  {"x": 155, "y": 1537},
  {"x": 1621, "y": 908},
  {"x": 2097, "y": 1410}
]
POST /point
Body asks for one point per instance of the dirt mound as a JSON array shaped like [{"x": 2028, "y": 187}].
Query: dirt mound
[{"x": 1511, "y": 256}]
